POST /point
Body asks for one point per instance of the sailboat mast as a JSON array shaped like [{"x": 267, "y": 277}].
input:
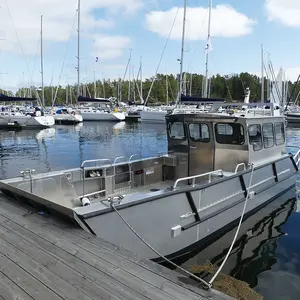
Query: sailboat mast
[
  {"x": 141, "y": 81},
  {"x": 103, "y": 79},
  {"x": 206, "y": 88},
  {"x": 262, "y": 76},
  {"x": 182, "y": 52},
  {"x": 167, "y": 90},
  {"x": 129, "y": 70},
  {"x": 191, "y": 84},
  {"x": 78, "y": 49},
  {"x": 95, "y": 87},
  {"x": 42, "y": 63}
]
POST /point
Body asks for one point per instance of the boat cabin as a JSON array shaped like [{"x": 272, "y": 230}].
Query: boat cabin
[{"x": 207, "y": 142}]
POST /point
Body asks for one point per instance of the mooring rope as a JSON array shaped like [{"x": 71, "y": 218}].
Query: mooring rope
[
  {"x": 237, "y": 230},
  {"x": 157, "y": 252},
  {"x": 207, "y": 284}
]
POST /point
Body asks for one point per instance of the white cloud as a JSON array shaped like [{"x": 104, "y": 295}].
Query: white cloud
[
  {"x": 108, "y": 47},
  {"x": 286, "y": 12},
  {"x": 23, "y": 17},
  {"x": 226, "y": 22}
]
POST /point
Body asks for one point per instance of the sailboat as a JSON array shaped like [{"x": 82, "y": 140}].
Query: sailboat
[
  {"x": 95, "y": 109},
  {"x": 191, "y": 104},
  {"x": 18, "y": 117}
]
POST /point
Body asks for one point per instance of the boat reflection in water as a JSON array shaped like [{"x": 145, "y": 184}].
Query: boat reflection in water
[
  {"x": 25, "y": 149},
  {"x": 264, "y": 252}
]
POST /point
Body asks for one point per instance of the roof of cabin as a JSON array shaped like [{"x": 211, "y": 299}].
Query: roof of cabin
[{"x": 219, "y": 117}]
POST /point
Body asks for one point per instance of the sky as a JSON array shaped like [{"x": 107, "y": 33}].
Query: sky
[{"x": 112, "y": 29}]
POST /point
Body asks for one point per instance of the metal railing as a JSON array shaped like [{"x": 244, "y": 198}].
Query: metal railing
[
  {"x": 135, "y": 155},
  {"x": 82, "y": 166},
  {"x": 95, "y": 161},
  {"x": 240, "y": 165},
  {"x": 296, "y": 156},
  {"x": 113, "y": 164},
  {"x": 194, "y": 177}
]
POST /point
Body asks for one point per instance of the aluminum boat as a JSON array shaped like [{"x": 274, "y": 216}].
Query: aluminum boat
[{"x": 179, "y": 200}]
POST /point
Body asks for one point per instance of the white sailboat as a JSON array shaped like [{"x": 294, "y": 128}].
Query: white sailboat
[
  {"x": 18, "y": 117},
  {"x": 99, "y": 109},
  {"x": 158, "y": 114}
]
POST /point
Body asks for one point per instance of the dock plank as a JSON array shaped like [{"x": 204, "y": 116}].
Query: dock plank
[
  {"x": 69, "y": 263},
  {"x": 86, "y": 270},
  {"x": 40, "y": 272},
  {"x": 23, "y": 279},
  {"x": 10, "y": 291},
  {"x": 130, "y": 279}
]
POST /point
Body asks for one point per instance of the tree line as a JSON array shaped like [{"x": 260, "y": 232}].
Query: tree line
[{"x": 164, "y": 89}]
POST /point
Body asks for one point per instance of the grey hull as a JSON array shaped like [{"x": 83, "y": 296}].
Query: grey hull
[{"x": 219, "y": 205}]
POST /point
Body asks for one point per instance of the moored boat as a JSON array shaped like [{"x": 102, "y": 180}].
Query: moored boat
[
  {"x": 12, "y": 116},
  {"x": 100, "y": 109},
  {"x": 64, "y": 116},
  {"x": 216, "y": 165}
]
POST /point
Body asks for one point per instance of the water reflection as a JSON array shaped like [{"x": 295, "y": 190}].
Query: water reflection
[
  {"x": 261, "y": 251},
  {"x": 67, "y": 146}
]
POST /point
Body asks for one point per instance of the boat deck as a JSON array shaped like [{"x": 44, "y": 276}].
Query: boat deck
[{"x": 42, "y": 257}]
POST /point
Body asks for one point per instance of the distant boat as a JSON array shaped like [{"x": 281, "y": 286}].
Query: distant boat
[
  {"x": 18, "y": 117},
  {"x": 102, "y": 109},
  {"x": 66, "y": 116}
]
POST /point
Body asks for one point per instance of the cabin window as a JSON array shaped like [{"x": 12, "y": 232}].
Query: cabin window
[
  {"x": 176, "y": 131},
  {"x": 199, "y": 132},
  {"x": 268, "y": 135},
  {"x": 279, "y": 134},
  {"x": 255, "y": 139},
  {"x": 229, "y": 133}
]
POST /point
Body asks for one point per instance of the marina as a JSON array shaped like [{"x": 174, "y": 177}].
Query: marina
[
  {"x": 134, "y": 166},
  {"x": 149, "y": 139}
]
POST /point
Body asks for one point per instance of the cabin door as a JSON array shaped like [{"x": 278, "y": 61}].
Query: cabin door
[{"x": 201, "y": 148}]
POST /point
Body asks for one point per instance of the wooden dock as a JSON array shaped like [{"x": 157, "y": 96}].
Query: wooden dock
[{"x": 45, "y": 258}]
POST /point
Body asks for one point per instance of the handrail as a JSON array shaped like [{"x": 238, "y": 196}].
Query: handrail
[
  {"x": 239, "y": 165},
  {"x": 115, "y": 161},
  {"x": 96, "y": 160},
  {"x": 91, "y": 161},
  {"x": 118, "y": 158},
  {"x": 296, "y": 158},
  {"x": 134, "y": 155},
  {"x": 197, "y": 176}
]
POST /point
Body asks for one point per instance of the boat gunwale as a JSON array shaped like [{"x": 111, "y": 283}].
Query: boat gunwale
[{"x": 182, "y": 189}]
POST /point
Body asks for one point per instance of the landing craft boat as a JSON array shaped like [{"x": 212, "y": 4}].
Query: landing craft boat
[{"x": 176, "y": 201}]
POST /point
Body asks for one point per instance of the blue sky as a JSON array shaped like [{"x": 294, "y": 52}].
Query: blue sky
[{"x": 111, "y": 27}]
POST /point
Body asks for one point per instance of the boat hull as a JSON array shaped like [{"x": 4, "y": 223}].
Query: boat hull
[
  {"x": 219, "y": 206},
  {"x": 103, "y": 116},
  {"x": 153, "y": 116},
  {"x": 23, "y": 121},
  {"x": 68, "y": 119},
  {"x": 173, "y": 220},
  {"x": 293, "y": 117}
]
